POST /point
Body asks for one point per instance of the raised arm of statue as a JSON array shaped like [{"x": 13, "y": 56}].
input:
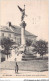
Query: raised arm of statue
[{"x": 23, "y": 13}]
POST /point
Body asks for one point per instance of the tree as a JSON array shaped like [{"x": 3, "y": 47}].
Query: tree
[
  {"x": 6, "y": 44},
  {"x": 41, "y": 47}
]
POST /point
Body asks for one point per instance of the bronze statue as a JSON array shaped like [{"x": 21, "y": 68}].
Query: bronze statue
[{"x": 23, "y": 12}]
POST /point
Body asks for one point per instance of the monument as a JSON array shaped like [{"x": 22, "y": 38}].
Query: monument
[{"x": 23, "y": 25}]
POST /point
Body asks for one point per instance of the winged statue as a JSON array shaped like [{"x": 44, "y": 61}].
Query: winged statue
[{"x": 23, "y": 13}]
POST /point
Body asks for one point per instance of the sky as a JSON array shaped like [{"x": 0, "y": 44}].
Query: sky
[{"x": 37, "y": 15}]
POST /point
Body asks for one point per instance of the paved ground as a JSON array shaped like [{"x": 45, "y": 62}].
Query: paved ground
[
  {"x": 22, "y": 74},
  {"x": 34, "y": 65},
  {"x": 27, "y": 69}
]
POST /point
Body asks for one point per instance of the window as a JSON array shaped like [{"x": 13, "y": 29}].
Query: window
[
  {"x": 15, "y": 39},
  {"x": 2, "y": 34},
  {"x": 9, "y": 35}
]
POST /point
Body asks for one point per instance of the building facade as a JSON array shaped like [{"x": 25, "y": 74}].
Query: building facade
[{"x": 16, "y": 34}]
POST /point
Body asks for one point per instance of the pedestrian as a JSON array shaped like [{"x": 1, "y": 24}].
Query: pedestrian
[{"x": 16, "y": 66}]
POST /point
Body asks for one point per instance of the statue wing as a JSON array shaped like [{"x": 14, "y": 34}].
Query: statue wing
[{"x": 20, "y": 9}]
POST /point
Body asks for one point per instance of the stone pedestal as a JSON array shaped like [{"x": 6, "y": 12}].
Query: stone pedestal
[
  {"x": 22, "y": 36},
  {"x": 23, "y": 24},
  {"x": 0, "y": 57}
]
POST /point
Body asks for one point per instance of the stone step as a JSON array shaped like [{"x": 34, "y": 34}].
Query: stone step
[
  {"x": 28, "y": 56},
  {"x": 26, "y": 59}
]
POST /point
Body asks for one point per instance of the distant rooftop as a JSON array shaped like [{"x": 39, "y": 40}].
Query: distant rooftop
[{"x": 16, "y": 30}]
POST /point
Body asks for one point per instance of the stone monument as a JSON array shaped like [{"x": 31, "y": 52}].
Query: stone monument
[{"x": 23, "y": 25}]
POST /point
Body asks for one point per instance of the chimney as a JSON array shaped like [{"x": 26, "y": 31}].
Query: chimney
[{"x": 9, "y": 24}]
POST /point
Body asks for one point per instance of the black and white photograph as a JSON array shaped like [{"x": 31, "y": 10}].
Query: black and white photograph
[{"x": 24, "y": 39}]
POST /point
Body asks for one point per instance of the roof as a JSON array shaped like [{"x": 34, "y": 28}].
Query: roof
[
  {"x": 5, "y": 29},
  {"x": 16, "y": 30}
]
